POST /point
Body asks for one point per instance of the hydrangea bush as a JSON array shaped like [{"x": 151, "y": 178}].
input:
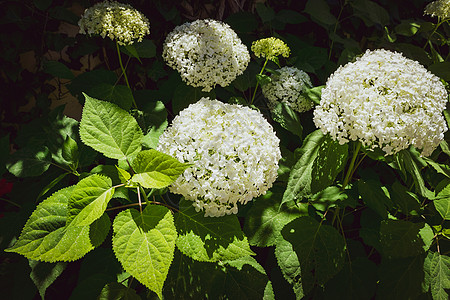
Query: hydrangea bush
[{"x": 315, "y": 167}]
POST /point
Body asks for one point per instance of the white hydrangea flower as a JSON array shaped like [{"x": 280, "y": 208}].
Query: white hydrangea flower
[
  {"x": 206, "y": 53},
  {"x": 287, "y": 87},
  {"x": 234, "y": 152},
  {"x": 439, "y": 8},
  {"x": 384, "y": 100},
  {"x": 114, "y": 20}
]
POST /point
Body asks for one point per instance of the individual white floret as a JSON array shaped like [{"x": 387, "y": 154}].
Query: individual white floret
[
  {"x": 234, "y": 152},
  {"x": 206, "y": 53},
  {"x": 287, "y": 87},
  {"x": 384, "y": 100},
  {"x": 118, "y": 21}
]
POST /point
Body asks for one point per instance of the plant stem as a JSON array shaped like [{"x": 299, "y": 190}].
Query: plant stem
[
  {"x": 351, "y": 168},
  {"x": 257, "y": 83},
  {"x": 125, "y": 74},
  {"x": 335, "y": 28},
  {"x": 11, "y": 202},
  {"x": 139, "y": 199}
]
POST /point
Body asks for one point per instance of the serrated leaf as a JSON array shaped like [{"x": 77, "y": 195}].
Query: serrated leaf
[
  {"x": 373, "y": 196},
  {"x": 144, "y": 244},
  {"x": 442, "y": 202},
  {"x": 209, "y": 239},
  {"x": 44, "y": 274},
  {"x": 313, "y": 94},
  {"x": 89, "y": 199},
  {"x": 290, "y": 17},
  {"x": 242, "y": 21},
  {"x": 290, "y": 266},
  {"x": 299, "y": 184},
  {"x": 287, "y": 118},
  {"x": 403, "y": 238},
  {"x": 155, "y": 169},
  {"x": 265, "y": 13},
  {"x": 401, "y": 278},
  {"x": 70, "y": 151},
  {"x": 408, "y": 202},
  {"x": 46, "y": 238},
  {"x": 109, "y": 129},
  {"x": 320, "y": 250},
  {"x": 369, "y": 10},
  {"x": 124, "y": 176},
  {"x": 144, "y": 49},
  {"x": 266, "y": 218},
  {"x": 120, "y": 95},
  {"x": 155, "y": 122},
  {"x": 437, "y": 274},
  {"x": 29, "y": 161},
  {"x": 115, "y": 291},
  {"x": 330, "y": 161},
  {"x": 328, "y": 198}
]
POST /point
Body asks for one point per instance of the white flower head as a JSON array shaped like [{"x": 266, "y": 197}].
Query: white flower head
[
  {"x": 234, "y": 152},
  {"x": 384, "y": 100},
  {"x": 114, "y": 20},
  {"x": 439, "y": 8},
  {"x": 287, "y": 87},
  {"x": 206, "y": 53}
]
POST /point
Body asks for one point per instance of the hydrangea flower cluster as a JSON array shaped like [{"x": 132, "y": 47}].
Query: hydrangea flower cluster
[
  {"x": 234, "y": 152},
  {"x": 287, "y": 87},
  {"x": 206, "y": 53},
  {"x": 270, "y": 48},
  {"x": 384, "y": 100},
  {"x": 439, "y": 8},
  {"x": 114, "y": 20}
]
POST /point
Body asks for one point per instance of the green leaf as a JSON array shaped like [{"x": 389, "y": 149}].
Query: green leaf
[
  {"x": 51, "y": 185},
  {"x": 266, "y": 14},
  {"x": 88, "y": 200},
  {"x": 290, "y": 17},
  {"x": 42, "y": 4},
  {"x": 29, "y": 161},
  {"x": 144, "y": 244},
  {"x": 314, "y": 94},
  {"x": 124, "y": 176},
  {"x": 410, "y": 162},
  {"x": 407, "y": 28},
  {"x": 327, "y": 198},
  {"x": 57, "y": 69},
  {"x": 330, "y": 161},
  {"x": 370, "y": 12},
  {"x": 155, "y": 169},
  {"x": 88, "y": 80},
  {"x": 263, "y": 79},
  {"x": 46, "y": 238},
  {"x": 109, "y": 129},
  {"x": 120, "y": 95},
  {"x": 408, "y": 202},
  {"x": 403, "y": 238},
  {"x": 373, "y": 196},
  {"x": 287, "y": 118},
  {"x": 155, "y": 118},
  {"x": 209, "y": 239},
  {"x": 401, "y": 278},
  {"x": 44, "y": 274},
  {"x": 290, "y": 266},
  {"x": 319, "y": 9},
  {"x": 320, "y": 250},
  {"x": 299, "y": 184},
  {"x": 265, "y": 219},
  {"x": 242, "y": 21},
  {"x": 144, "y": 49},
  {"x": 70, "y": 151},
  {"x": 442, "y": 202},
  {"x": 437, "y": 274},
  {"x": 441, "y": 69},
  {"x": 115, "y": 291},
  {"x": 357, "y": 280}
]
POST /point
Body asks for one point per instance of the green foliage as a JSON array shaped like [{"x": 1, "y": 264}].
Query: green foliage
[
  {"x": 155, "y": 169},
  {"x": 144, "y": 244},
  {"x": 209, "y": 239},
  {"x": 44, "y": 274},
  {"x": 109, "y": 129},
  {"x": 45, "y": 237}
]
